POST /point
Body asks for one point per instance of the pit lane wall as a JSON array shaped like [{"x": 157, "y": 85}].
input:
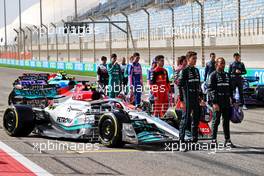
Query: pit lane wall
[{"x": 91, "y": 67}]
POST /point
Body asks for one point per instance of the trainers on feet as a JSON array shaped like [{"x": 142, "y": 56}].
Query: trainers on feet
[
  {"x": 228, "y": 143},
  {"x": 214, "y": 143},
  {"x": 244, "y": 107}
]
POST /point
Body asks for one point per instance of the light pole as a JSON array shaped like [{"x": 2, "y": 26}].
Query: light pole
[
  {"x": 127, "y": 35},
  {"x": 201, "y": 4},
  {"x": 24, "y": 43},
  {"x": 30, "y": 31},
  {"x": 68, "y": 41},
  {"x": 56, "y": 38},
  {"x": 76, "y": 9},
  {"x": 18, "y": 43},
  {"x": 46, "y": 28},
  {"x": 110, "y": 34},
  {"x": 149, "y": 52},
  {"x": 239, "y": 25},
  {"x": 5, "y": 25},
  {"x": 20, "y": 24},
  {"x": 94, "y": 41},
  {"x": 38, "y": 30},
  {"x": 47, "y": 39},
  {"x": 173, "y": 34}
]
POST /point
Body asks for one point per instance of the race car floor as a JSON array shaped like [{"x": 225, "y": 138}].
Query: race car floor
[{"x": 79, "y": 158}]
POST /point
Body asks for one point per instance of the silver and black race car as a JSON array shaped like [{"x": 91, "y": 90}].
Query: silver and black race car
[{"x": 109, "y": 121}]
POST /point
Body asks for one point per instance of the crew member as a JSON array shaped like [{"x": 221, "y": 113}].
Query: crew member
[
  {"x": 123, "y": 69},
  {"x": 126, "y": 74},
  {"x": 190, "y": 96},
  {"x": 160, "y": 87},
  {"x": 210, "y": 67},
  {"x": 102, "y": 75},
  {"x": 220, "y": 96},
  {"x": 149, "y": 76},
  {"x": 236, "y": 70},
  {"x": 136, "y": 79},
  {"x": 115, "y": 77},
  {"x": 181, "y": 64}
]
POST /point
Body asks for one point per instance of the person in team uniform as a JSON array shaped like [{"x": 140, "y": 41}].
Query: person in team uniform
[
  {"x": 236, "y": 70},
  {"x": 220, "y": 95},
  {"x": 160, "y": 86},
  {"x": 102, "y": 75},
  {"x": 210, "y": 67},
  {"x": 136, "y": 79},
  {"x": 115, "y": 77},
  {"x": 190, "y": 97}
]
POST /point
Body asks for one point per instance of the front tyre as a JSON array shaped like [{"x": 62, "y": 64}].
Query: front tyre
[
  {"x": 110, "y": 129},
  {"x": 18, "y": 121}
]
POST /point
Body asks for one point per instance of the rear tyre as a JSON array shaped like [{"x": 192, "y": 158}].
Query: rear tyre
[
  {"x": 19, "y": 121},
  {"x": 11, "y": 99},
  {"x": 110, "y": 129}
]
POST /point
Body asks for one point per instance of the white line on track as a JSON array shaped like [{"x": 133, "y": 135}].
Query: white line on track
[
  {"x": 24, "y": 161},
  {"x": 48, "y": 72}
]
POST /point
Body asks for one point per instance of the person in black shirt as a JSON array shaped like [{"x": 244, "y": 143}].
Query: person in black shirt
[
  {"x": 102, "y": 75},
  {"x": 190, "y": 96},
  {"x": 210, "y": 67},
  {"x": 236, "y": 70},
  {"x": 220, "y": 95}
]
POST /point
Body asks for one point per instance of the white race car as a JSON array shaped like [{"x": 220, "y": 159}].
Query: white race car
[{"x": 109, "y": 121}]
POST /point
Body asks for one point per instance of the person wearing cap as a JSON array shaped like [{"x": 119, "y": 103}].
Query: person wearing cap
[
  {"x": 136, "y": 79},
  {"x": 210, "y": 67},
  {"x": 236, "y": 70},
  {"x": 115, "y": 77}
]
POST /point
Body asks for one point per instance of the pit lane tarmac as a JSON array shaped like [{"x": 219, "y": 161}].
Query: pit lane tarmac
[{"x": 247, "y": 159}]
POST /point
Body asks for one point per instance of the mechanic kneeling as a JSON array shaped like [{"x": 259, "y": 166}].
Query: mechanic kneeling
[{"x": 220, "y": 96}]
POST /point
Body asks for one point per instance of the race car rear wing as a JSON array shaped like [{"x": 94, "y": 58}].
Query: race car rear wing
[
  {"x": 28, "y": 83},
  {"x": 37, "y": 91},
  {"x": 34, "y": 76},
  {"x": 251, "y": 79}
]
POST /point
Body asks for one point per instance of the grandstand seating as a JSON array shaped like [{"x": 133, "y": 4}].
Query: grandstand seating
[{"x": 218, "y": 14}]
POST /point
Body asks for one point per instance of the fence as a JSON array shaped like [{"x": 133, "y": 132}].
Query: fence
[{"x": 91, "y": 67}]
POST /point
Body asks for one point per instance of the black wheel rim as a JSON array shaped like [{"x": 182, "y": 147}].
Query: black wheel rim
[
  {"x": 107, "y": 130},
  {"x": 10, "y": 121}
]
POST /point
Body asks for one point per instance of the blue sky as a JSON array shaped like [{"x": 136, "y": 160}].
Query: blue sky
[{"x": 12, "y": 9}]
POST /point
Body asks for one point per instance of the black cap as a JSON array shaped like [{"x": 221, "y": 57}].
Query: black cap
[
  {"x": 236, "y": 54},
  {"x": 113, "y": 55}
]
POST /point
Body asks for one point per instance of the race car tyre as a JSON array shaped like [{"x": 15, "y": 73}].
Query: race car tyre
[
  {"x": 11, "y": 99},
  {"x": 110, "y": 129},
  {"x": 260, "y": 93},
  {"x": 173, "y": 117},
  {"x": 19, "y": 121}
]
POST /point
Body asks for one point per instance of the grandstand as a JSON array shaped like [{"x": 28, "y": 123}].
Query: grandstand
[{"x": 221, "y": 30}]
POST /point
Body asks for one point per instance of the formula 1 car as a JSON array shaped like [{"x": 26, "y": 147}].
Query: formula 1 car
[
  {"x": 41, "y": 95},
  {"x": 37, "y": 89},
  {"x": 109, "y": 121},
  {"x": 253, "y": 91}
]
